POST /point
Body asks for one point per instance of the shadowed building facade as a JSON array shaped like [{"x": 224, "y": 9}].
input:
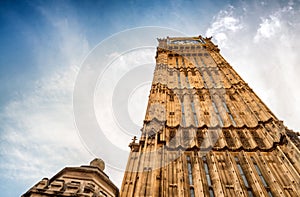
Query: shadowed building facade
[{"x": 206, "y": 133}]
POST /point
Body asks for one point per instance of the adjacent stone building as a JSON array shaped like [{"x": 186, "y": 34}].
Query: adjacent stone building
[
  {"x": 85, "y": 181},
  {"x": 206, "y": 133}
]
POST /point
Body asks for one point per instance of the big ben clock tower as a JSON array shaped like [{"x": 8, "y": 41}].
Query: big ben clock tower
[{"x": 206, "y": 133}]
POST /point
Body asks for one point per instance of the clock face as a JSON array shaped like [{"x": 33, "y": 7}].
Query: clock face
[{"x": 185, "y": 42}]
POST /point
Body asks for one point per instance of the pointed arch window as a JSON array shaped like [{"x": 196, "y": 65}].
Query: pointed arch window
[
  {"x": 190, "y": 176},
  {"x": 262, "y": 177},
  {"x": 182, "y": 113},
  {"x": 194, "y": 112},
  {"x": 250, "y": 193},
  {"x": 229, "y": 113},
  {"x": 218, "y": 114},
  {"x": 208, "y": 178}
]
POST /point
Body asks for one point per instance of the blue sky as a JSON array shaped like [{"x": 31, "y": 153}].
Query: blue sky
[{"x": 43, "y": 45}]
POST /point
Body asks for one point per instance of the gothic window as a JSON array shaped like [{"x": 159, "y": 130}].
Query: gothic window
[
  {"x": 202, "y": 62},
  {"x": 194, "y": 113},
  {"x": 192, "y": 192},
  {"x": 218, "y": 114},
  {"x": 232, "y": 120},
  {"x": 229, "y": 113},
  {"x": 190, "y": 173},
  {"x": 225, "y": 106},
  {"x": 208, "y": 178},
  {"x": 210, "y": 76},
  {"x": 262, "y": 177},
  {"x": 178, "y": 79},
  {"x": 182, "y": 114},
  {"x": 250, "y": 193},
  {"x": 190, "y": 176},
  {"x": 187, "y": 80}
]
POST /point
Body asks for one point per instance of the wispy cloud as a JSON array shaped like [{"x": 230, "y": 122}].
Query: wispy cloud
[
  {"x": 38, "y": 133},
  {"x": 38, "y": 130},
  {"x": 224, "y": 23},
  {"x": 274, "y": 24}
]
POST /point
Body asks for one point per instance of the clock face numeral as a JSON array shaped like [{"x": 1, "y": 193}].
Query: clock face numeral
[{"x": 185, "y": 42}]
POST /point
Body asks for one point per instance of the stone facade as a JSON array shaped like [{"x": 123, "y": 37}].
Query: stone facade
[
  {"x": 206, "y": 133},
  {"x": 85, "y": 181}
]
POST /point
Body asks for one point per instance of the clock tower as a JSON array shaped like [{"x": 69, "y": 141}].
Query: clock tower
[{"x": 206, "y": 133}]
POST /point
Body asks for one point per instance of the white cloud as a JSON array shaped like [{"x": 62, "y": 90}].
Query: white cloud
[
  {"x": 124, "y": 65},
  {"x": 38, "y": 130},
  {"x": 272, "y": 25},
  {"x": 68, "y": 39},
  {"x": 268, "y": 28},
  {"x": 38, "y": 133},
  {"x": 224, "y": 23}
]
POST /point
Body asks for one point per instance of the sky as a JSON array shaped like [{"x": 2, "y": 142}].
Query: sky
[{"x": 58, "y": 57}]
